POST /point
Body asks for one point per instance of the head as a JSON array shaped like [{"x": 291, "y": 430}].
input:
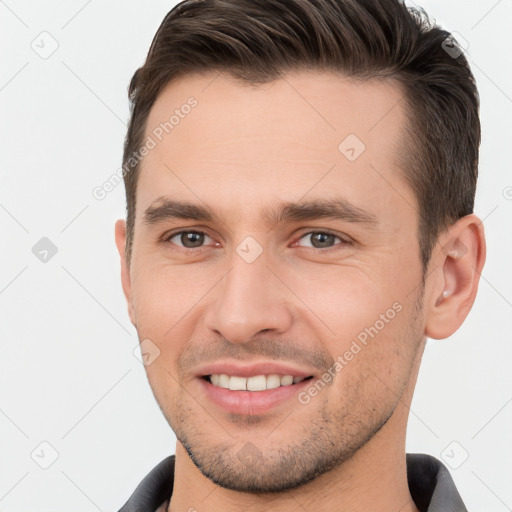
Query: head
[{"x": 300, "y": 179}]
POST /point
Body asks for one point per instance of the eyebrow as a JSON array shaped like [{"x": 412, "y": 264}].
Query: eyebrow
[{"x": 163, "y": 209}]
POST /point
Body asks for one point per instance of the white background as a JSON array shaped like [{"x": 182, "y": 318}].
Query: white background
[{"x": 67, "y": 369}]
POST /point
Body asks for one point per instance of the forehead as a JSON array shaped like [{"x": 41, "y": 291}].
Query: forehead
[{"x": 308, "y": 133}]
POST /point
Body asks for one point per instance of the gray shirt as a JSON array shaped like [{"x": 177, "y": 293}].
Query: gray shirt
[{"x": 430, "y": 484}]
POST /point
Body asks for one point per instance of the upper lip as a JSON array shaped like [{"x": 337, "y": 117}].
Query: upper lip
[{"x": 252, "y": 369}]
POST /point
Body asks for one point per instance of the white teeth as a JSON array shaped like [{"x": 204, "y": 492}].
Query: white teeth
[
  {"x": 286, "y": 380},
  {"x": 256, "y": 383},
  {"x": 223, "y": 381},
  {"x": 273, "y": 381},
  {"x": 237, "y": 383}
]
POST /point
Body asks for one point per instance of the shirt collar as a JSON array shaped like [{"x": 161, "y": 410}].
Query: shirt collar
[{"x": 430, "y": 484}]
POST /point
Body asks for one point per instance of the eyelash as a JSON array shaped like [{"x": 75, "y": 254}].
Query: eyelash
[{"x": 343, "y": 241}]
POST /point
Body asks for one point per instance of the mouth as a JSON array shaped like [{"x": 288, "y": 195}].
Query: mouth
[
  {"x": 254, "y": 395},
  {"x": 255, "y": 383}
]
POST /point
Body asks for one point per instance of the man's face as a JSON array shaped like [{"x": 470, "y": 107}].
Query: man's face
[{"x": 270, "y": 284}]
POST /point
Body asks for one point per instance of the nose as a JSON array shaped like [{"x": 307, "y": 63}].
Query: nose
[{"x": 249, "y": 300}]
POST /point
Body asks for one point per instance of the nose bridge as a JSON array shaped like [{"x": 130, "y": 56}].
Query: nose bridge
[{"x": 248, "y": 300}]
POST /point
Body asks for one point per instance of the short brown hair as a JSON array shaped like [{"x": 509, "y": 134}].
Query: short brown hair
[{"x": 257, "y": 41}]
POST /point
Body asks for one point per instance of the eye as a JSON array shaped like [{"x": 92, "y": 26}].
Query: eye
[
  {"x": 189, "y": 239},
  {"x": 320, "y": 240}
]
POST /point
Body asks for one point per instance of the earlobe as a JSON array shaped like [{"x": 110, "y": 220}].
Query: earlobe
[
  {"x": 120, "y": 237},
  {"x": 457, "y": 263}
]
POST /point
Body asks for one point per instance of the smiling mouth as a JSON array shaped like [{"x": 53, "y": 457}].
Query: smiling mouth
[{"x": 254, "y": 383}]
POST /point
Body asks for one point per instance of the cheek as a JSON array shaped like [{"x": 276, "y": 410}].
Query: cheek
[
  {"x": 342, "y": 298},
  {"x": 366, "y": 321},
  {"x": 375, "y": 366},
  {"x": 163, "y": 294},
  {"x": 164, "y": 385},
  {"x": 163, "y": 303}
]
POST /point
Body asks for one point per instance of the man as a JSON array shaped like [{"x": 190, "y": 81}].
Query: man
[{"x": 300, "y": 178}]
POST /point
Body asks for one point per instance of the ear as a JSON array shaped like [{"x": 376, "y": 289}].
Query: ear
[
  {"x": 455, "y": 268},
  {"x": 120, "y": 235}
]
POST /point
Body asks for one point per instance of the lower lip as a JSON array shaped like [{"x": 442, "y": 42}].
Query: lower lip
[{"x": 251, "y": 402}]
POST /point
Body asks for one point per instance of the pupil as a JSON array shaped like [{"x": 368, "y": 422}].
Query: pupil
[
  {"x": 192, "y": 239},
  {"x": 323, "y": 239}
]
